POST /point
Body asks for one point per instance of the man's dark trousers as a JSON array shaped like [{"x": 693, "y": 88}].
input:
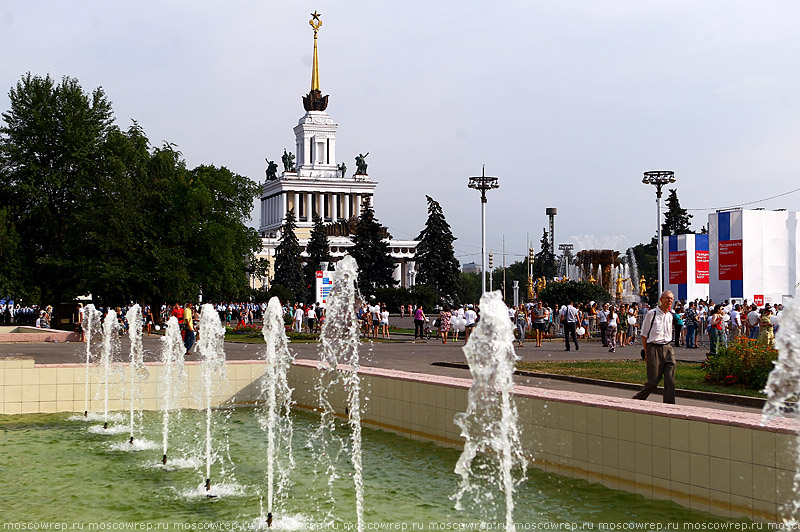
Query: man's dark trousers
[
  {"x": 603, "y": 327},
  {"x": 569, "y": 329},
  {"x": 660, "y": 362}
]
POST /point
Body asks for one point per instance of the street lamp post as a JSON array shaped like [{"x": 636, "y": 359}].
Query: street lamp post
[
  {"x": 483, "y": 183},
  {"x": 659, "y": 178}
]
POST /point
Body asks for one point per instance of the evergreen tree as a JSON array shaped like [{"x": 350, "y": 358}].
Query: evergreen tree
[
  {"x": 544, "y": 262},
  {"x": 288, "y": 265},
  {"x": 436, "y": 262},
  {"x": 318, "y": 250},
  {"x": 677, "y": 221},
  {"x": 371, "y": 251}
]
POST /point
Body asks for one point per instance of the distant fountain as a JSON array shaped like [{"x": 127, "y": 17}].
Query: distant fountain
[
  {"x": 634, "y": 272},
  {"x": 492, "y": 458},
  {"x": 340, "y": 345},
  {"x": 90, "y": 326},
  {"x": 107, "y": 357},
  {"x": 212, "y": 356},
  {"x": 274, "y": 418},
  {"x": 783, "y": 389},
  {"x": 172, "y": 351},
  {"x": 137, "y": 370}
]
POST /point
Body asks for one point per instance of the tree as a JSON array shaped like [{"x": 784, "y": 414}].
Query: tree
[
  {"x": 318, "y": 250},
  {"x": 435, "y": 258},
  {"x": 544, "y": 262},
  {"x": 677, "y": 221},
  {"x": 288, "y": 265},
  {"x": 50, "y": 150},
  {"x": 646, "y": 256},
  {"x": 371, "y": 251},
  {"x": 558, "y": 294}
]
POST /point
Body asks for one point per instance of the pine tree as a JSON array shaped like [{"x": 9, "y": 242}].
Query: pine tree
[
  {"x": 288, "y": 264},
  {"x": 371, "y": 251},
  {"x": 544, "y": 262},
  {"x": 318, "y": 250},
  {"x": 677, "y": 221},
  {"x": 436, "y": 262}
]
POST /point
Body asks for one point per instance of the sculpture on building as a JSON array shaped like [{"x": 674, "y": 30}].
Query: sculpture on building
[
  {"x": 272, "y": 170},
  {"x": 531, "y": 295},
  {"x": 288, "y": 161},
  {"x": 343, "y": 168},
  {"x": 642, "y": 286},
  {"x": 361, "y": 164}
]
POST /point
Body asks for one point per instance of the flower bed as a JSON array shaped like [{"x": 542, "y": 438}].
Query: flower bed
[{"x": 742, "y": 361}]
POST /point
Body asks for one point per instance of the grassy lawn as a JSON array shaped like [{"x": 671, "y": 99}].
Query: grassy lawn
[{"x": 687, "y": 376}]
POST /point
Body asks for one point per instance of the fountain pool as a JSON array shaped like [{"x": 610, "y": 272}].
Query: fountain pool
[{"x": 56, "y": 470}]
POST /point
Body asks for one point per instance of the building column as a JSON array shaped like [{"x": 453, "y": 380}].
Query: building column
[
  {"x": 309, "y": 210},
  {"x": 284, "y": 203},
  {"x": 296, "y": 206},
  {"x": 335, "y": 207},
  {"x": 346, "y": 206},
  {"x": 357, "y": 205}
]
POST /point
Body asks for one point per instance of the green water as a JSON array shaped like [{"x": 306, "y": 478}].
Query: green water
[{"x": 53, "y": 469}]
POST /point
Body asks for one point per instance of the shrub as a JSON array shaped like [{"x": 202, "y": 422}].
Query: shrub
[{"x": 742, "y": 361}]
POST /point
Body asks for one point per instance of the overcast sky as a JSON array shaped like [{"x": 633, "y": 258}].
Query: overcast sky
[{"x": 566, "y": 102}]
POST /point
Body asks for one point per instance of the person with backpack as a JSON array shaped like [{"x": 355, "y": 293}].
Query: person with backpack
[{"x": 659, "y": 354}]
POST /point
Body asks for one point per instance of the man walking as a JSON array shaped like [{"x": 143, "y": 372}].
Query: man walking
[
  {"x": 569, "y": 318},
  {"x": 659, "y": 354}
]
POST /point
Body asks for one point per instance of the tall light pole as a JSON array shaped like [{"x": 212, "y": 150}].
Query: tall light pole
[
  {"x": 483, "y": 183},
  {"x": 659, "y": 178}
]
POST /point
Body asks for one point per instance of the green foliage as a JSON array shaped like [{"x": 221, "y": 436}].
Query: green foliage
[
  {"x": 10, "y": 253},
  {"x": 288, "y": 266},
  {"x": 423, "y": 295},
  {"x": 742, "y": 361},
  {"x": 393, "y": 297},
  {"x": 50, "y": 155},
  {"x": 371, "y": 251},
  {"x": 646, "y": 256},
  {"x": 435, "y": 258},
  {"x": 677, "y": 221},
  {"x": 576, "y": 291},
  {"x": 102, "y": 212},
  {"x": 544, "y": 262},
  {"x": 469, "y": 287},
  {"x": 516, "y": 271},
  {"x": 318, "y": 250}
]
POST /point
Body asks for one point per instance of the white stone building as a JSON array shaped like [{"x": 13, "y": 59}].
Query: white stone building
[{"x": 315, "y": 185}]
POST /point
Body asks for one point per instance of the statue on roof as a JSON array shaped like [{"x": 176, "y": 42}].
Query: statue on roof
[
  {"x": 361, "y": 164},
  {"x": 272, "y": 170},
  {"x": 288, "y": 161},
  {"x": 343, "y": 168}
]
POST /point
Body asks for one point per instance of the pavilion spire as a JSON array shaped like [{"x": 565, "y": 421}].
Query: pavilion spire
[{"x": 315, "y": 101}]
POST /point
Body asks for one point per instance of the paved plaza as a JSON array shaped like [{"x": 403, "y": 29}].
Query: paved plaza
[{"x": 403, "y": 354}]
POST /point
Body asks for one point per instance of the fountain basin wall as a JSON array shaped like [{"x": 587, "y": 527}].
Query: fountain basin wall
[
  {"x": 718, "y": 461},
  {"x": 23, "y": 333}
]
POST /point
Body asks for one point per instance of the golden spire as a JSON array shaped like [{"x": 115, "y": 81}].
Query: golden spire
[{"x": 316, "y": 23}]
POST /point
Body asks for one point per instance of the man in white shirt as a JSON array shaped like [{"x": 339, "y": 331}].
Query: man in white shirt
[
  {"x": 753, "y": 321},
  {"x": 298, "y": 318},
  {"x": 569, "y": 318},
  {"x": 659, "y": 354},
  {"x": 735, "y": 322}
]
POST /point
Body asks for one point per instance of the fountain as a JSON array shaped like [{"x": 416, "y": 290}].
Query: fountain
[
  {"x": 172, "y": 351},
  {"x": 340, "y": 344},
  {"x": 90, "y": 325},
  {"x": 137, "y": 370},
  {"x": 110, "y": 349},
  {"x": 277, "y": 394},
  {"x": 783, "y": 390},
  {"x": 492, "y": 455},
  {"x": 212, "y": 356}
]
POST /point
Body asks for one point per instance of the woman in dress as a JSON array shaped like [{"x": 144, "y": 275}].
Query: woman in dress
[
  {"x": 611, "y": 329},
  {"x": 444, "y": 323},
  {"x": 767, "y": 335}
]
